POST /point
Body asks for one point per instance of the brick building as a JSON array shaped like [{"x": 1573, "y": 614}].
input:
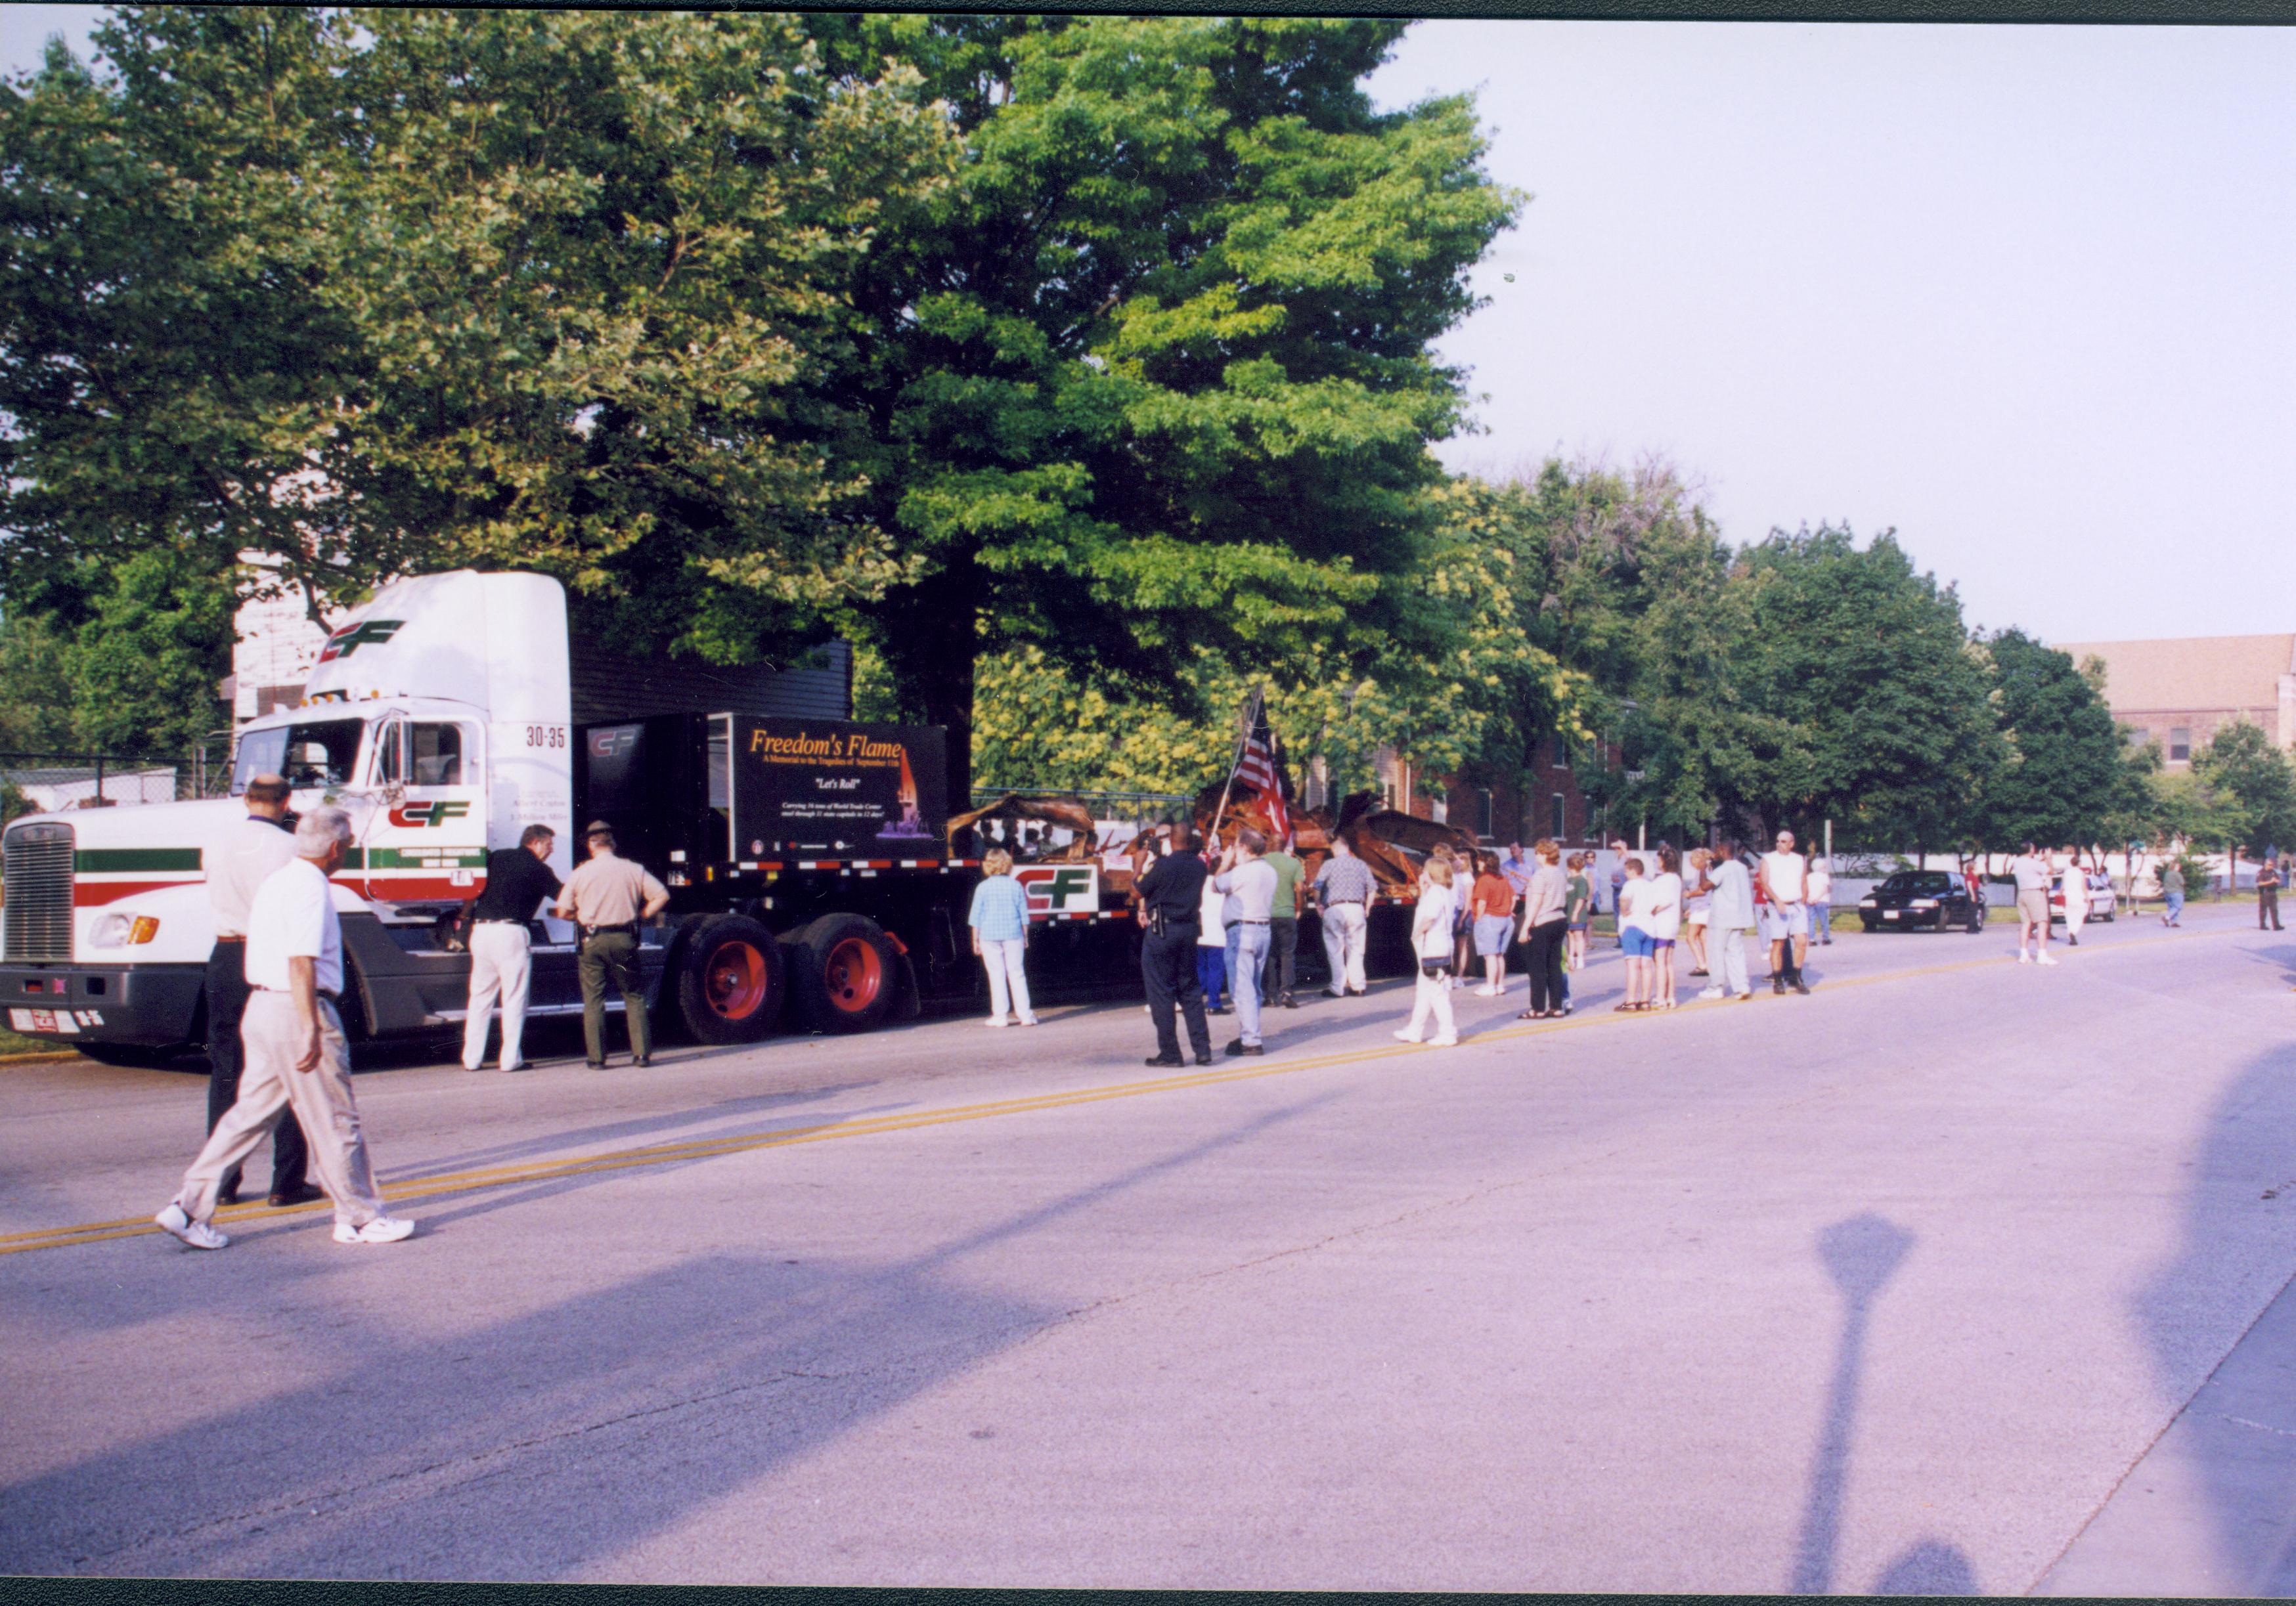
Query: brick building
[
  {"x": 1543, "y": 799},
  {"x": 2178, "y": 692}
]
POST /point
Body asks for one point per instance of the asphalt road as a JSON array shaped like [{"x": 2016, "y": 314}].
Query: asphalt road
[{"x": 1902, "y": 1287}]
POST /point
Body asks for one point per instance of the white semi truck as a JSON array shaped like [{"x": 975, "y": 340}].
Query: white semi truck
[{"x": 802, "y": 851}]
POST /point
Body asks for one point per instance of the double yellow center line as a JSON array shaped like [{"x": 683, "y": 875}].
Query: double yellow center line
[{"x": 698, "y": 1148}]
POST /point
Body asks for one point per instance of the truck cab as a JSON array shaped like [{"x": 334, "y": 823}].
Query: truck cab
[{"x": 436, "y": 717}]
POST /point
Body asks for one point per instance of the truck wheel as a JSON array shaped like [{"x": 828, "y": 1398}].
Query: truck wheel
[
  {"x": 853, "y": 977},
  {"x": 731, "y": 983}
]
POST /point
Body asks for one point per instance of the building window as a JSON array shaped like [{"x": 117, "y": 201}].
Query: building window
[
  {"x": 1386, "y": 796},
  {"x": 2180, "y": 744},
  {"x": 1561, "y": 755},
  {"x": 1484, "y": 818},
  {"x": 1561, "y": 832},
  {"x": 2135, "y": 736}
]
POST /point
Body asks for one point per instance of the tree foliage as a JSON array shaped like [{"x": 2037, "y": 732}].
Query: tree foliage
[
  {"x": 374, "y": 292},
  {"x": 2253, "y": 786},
  {"x": 1107, "y": 338},
  {"x": 1153, "y": 378},
  {"x": 2063, "y": 772}
]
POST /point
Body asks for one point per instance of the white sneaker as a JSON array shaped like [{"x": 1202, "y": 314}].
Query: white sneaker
[
  {"x": 1442, "y": 1042},
  {"x": 383, "y": 1229},
  {"x": 1713, "y": 992},
  {"x": 1032, "y": 1021},
  {"x": 998, "y": 1021},
  {"x": 2045, "y": 959},
  {"x": 1402, "y": 1036},
  {"x": 1486, "y": 992},
  {"x": 199, "y": 1234},
  {"x": 2023, "y": 957}
]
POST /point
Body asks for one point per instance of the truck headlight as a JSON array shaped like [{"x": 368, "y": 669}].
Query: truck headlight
[
  {"x": 1923, "y": 902},
  {"x": 120, "y": 930}
]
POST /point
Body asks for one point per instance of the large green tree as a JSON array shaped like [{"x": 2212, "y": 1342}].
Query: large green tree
[
  {"x": 368, "y": 292},
  {"x": 2063, "y": 771},
  {"x": 1107, "y": 337},
  {"x": 2256, "y": 784},
  {"x": 1153, "y": 377},
  {"x": 1873, "y": 694}
]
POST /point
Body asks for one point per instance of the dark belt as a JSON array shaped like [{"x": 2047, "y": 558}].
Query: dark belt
[
  {"x": 1251, "y": 923},
  {"x": 631, "y": 927}
]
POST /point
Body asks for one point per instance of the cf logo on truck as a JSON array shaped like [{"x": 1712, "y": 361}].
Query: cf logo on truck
[
  {"x": 1060, "y": 889},
  {"x": 349, "y": 640},
  {"x": 427, "y": 813}
]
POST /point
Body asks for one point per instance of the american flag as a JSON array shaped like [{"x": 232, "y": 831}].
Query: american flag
[{"x": 1259, "y": 769}]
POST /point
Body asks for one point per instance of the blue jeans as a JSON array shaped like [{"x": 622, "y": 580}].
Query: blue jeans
[
  {"x": 2175, "y": 906},
  {"x": 1211, "y": 975},
  {"x": 1250, "y": 952}
]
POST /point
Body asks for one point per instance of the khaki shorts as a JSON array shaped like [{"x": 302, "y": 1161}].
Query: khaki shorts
[{"x": 2033, "y": 906}]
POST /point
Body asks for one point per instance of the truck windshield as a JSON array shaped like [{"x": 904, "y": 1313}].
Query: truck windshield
[{"x": 320, "y": 753}]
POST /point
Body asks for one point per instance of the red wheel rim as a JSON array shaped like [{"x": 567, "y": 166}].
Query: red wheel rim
[
  {"x": 735, "y": 982},
  {"x": 853, "y": 975}
]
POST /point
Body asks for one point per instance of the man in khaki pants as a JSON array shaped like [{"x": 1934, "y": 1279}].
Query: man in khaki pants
[
  {"x": 607, "y": 897},
  {"x": 296, "y": 1055}
]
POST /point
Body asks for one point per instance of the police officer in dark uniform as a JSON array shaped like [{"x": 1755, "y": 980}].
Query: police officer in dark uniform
[{"x": 1171, "y": 894}]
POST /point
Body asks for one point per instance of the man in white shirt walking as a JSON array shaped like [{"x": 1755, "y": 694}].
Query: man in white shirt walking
[
  {"x": 296, "y": 1052},
  {"x": 1252, "y": 883},
  {"x": 2032, "y": 869},
  {"x": 236, "y": 864},
  {"x": 1785, "y": 918}
]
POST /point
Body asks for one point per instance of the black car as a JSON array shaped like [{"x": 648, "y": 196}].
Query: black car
[{"x": 1931, "y": 899}]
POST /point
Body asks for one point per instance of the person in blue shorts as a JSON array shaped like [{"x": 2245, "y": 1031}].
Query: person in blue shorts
[{"x": 1636, "y": 939}]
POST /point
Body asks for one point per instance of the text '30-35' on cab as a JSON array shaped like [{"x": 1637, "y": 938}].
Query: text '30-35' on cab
[{"x": 804, "y": 854}]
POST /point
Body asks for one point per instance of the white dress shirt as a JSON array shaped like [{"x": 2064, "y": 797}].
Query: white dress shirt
[
  {"x": 237, "y": 863},
  {"x": 294, "y": 917}
]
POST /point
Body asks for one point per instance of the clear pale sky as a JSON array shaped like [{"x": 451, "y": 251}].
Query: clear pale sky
[{"x": 2024, "y": 294}]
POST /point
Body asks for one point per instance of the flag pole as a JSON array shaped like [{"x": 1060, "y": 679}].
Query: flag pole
[{"x": 1250, "y": 718}]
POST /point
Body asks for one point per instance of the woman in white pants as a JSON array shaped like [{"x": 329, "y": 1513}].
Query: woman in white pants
[
  {"x": 2076, "y": 886},
  {"x": 1000, "y": 936},
  {"x": 1431, "y": 941}
]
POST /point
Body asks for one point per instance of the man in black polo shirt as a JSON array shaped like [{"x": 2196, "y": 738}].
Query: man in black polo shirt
[
  {"x": 517, "y": 881},
  {"x": 1171, "y": 894}
]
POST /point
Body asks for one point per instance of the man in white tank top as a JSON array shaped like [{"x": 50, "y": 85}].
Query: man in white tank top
[{"x": 1785, "y": 918}]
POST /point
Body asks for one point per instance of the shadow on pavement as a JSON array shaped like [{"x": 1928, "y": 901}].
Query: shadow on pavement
[
  {"x": 1929, "y": 1568},
  {"x": 2237, "y": 1433},
  {"x": 548, "y": 1442},
  {"x": 662, "y": 1125},
  {"x": 1861, "y": 1254}
]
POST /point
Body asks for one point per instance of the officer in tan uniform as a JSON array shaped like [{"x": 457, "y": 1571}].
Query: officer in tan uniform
[{"x": 606, "y": 898}]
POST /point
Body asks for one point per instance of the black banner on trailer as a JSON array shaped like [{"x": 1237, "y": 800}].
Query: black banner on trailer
[{"x": 825, "y": 786}]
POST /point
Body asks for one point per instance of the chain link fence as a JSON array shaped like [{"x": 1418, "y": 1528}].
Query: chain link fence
[{"x": 59, "y": 782}]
